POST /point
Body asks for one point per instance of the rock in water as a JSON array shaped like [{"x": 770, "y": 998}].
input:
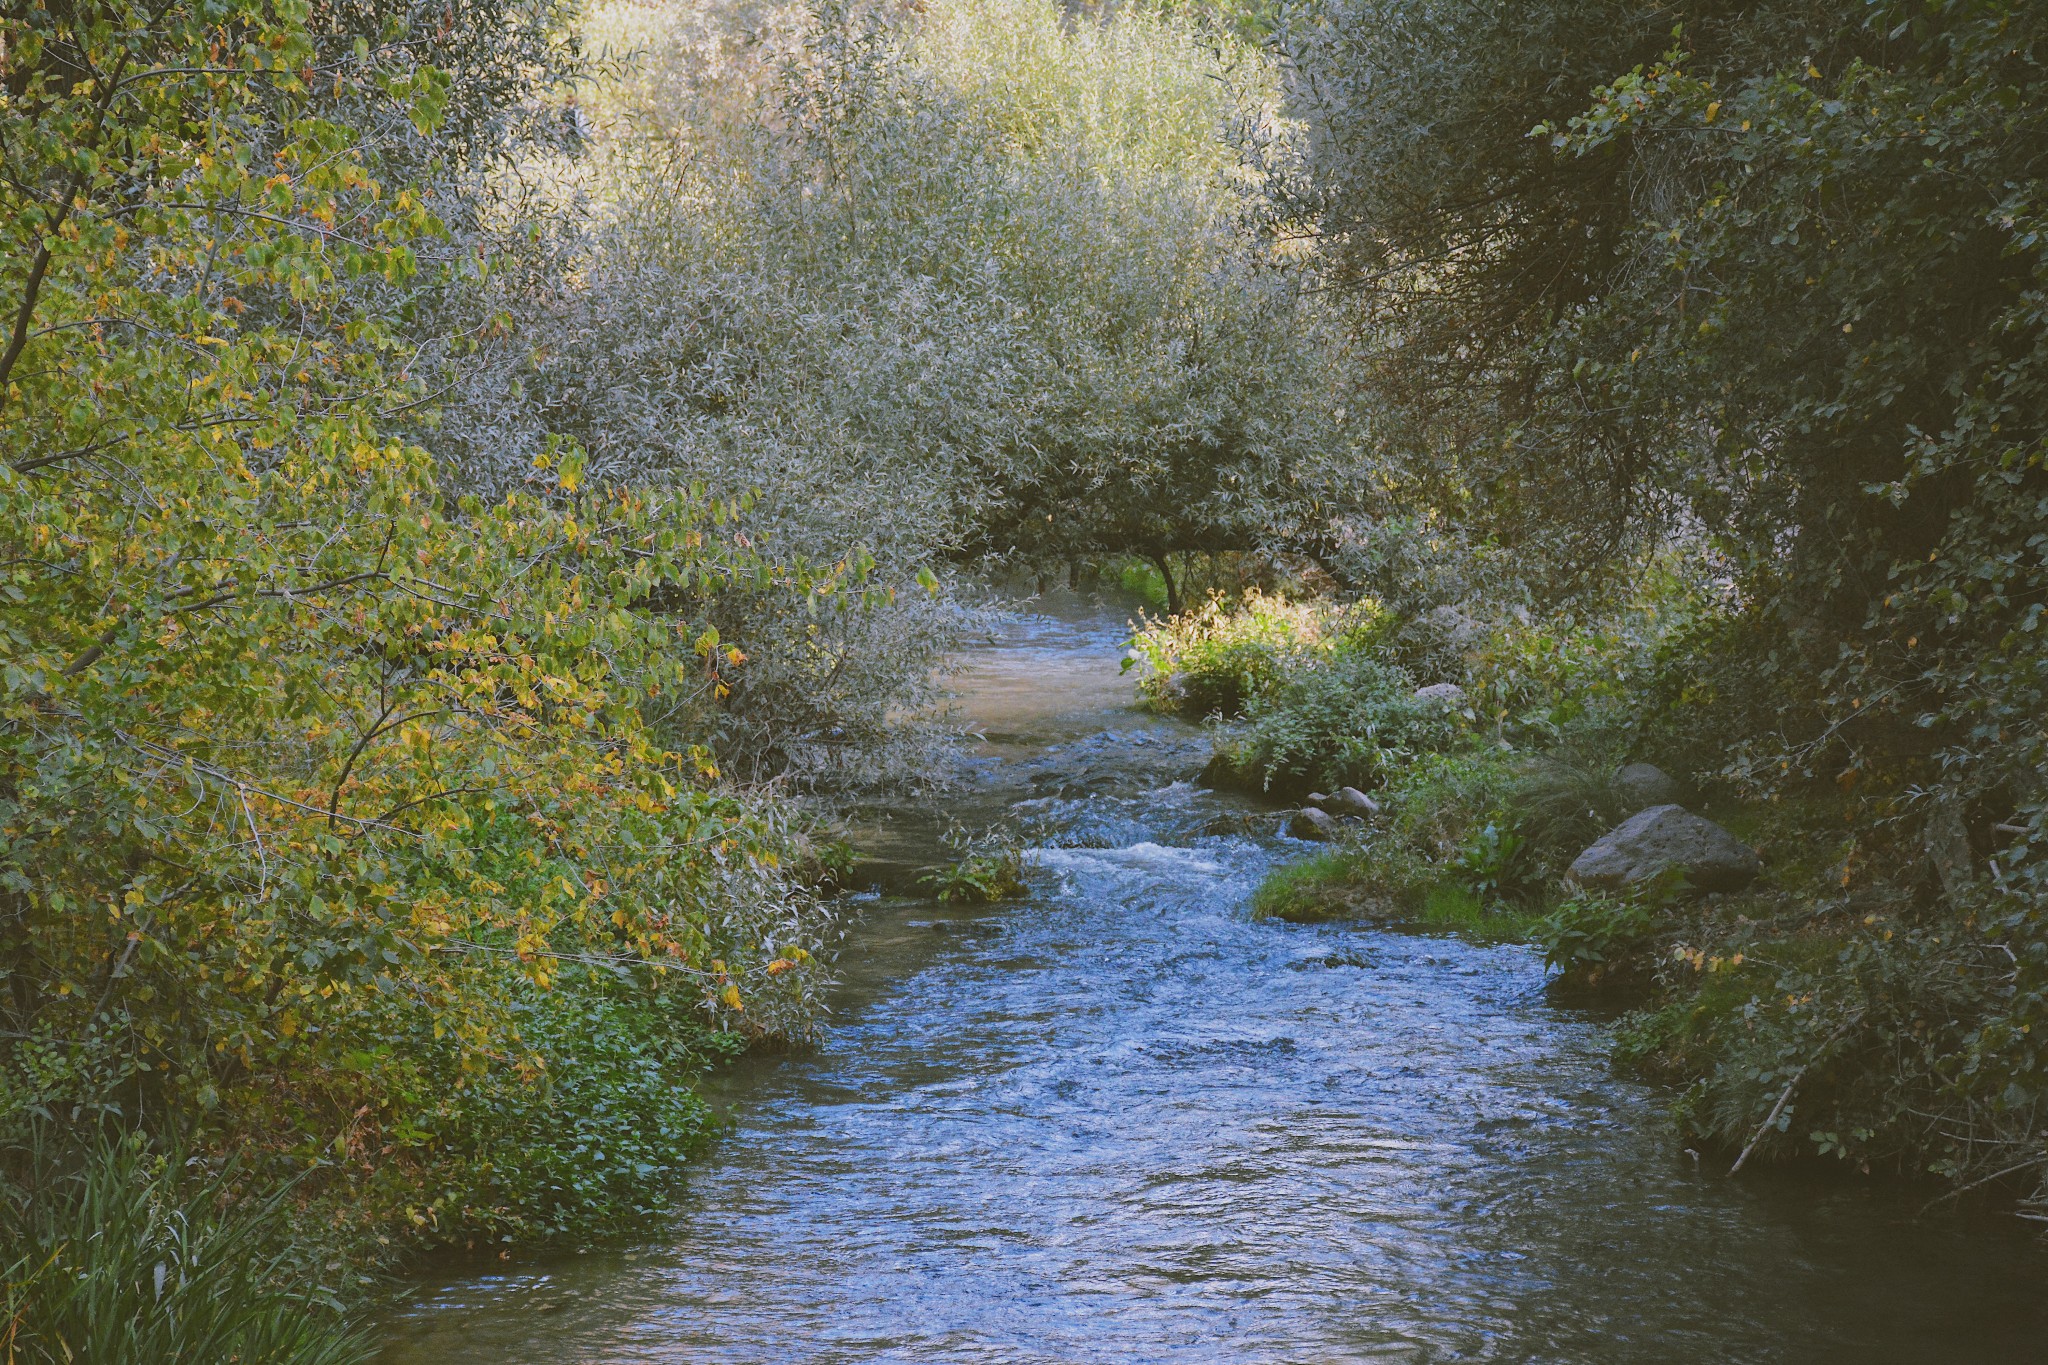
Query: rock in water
[
  {"x": 1643, "y": 785},
  {"x": 1310, "y": 823},
  {"x": 1447, "y": 694},
  {"x": 1651, "y": 843},
  {"x": 1349, "y": 801}
]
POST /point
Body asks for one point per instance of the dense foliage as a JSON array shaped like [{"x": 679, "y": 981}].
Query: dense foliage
[
  {"x": 1776, "y": 292},
  {"x": 346, "y": 823},
  {"x": 426, "y": 489},
  {"x": 466, "y": 472},
  {"x": 969, "y": 286},
  {"x": 1756, "y": 292}
]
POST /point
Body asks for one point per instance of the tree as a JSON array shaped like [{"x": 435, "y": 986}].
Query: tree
[
  {"x": 1770, "y": 286},
  {"x": 315, "y": 784}
]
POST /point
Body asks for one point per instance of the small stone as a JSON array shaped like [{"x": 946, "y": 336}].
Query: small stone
[
  {"x": 1444, "y": 694},
  {"x": 1310, "y": 823},
  {"x": 1642, "y": 785},
  {"x": 1654, "y": 842}
]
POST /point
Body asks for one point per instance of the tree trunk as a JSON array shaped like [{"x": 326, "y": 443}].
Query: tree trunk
[{"x": 1159, "y": 558}]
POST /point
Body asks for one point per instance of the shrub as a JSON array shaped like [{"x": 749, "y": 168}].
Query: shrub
[
  {"x": 1590, "y": 936},
  {"x": 598, "y": 1137},
  {"x": 1344, "y": 719},
  {"x": 1226, "y": 654},
  {"x": 302, "y": 757}
]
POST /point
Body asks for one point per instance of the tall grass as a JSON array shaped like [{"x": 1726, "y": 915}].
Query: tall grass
[{"x": 124, "y": 1257}]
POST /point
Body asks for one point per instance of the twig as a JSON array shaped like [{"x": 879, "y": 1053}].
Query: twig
[
  {"x": 1785, "y": 1095},
  {"x": 1959, "y": 1191},
  {"x": 263, "y": 860}
]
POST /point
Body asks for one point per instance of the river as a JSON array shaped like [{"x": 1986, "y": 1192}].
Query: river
[{"x": 1120, "y": 1121}]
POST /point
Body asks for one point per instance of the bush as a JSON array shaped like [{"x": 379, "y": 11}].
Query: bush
[
  {"x": 979, "y": 879},
  {"x": 321, "y": 787},
  {"x": 1346, "y": 720},
  {"x": 1590, "y": 937},
  {"x": 582, "y": 1133},
  {"x": 1226, "y": 654}
]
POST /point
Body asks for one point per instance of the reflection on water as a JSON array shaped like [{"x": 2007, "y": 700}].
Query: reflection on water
[{"x": 1122, "y": 1122}]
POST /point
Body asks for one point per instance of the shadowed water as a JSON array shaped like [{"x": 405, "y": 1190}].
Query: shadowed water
[{"x": 1123, "y": 1122}]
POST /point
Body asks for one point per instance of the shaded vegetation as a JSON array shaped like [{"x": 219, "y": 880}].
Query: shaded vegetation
[
  {"x": 125, "y": 1258},
  {"x": 1758, "y": 296}
]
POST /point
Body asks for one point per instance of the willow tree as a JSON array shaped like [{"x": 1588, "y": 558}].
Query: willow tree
[{"x": 969, "y": 285}]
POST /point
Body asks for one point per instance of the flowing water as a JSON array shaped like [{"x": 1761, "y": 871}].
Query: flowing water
[{"x": 1123, "y": 1122}]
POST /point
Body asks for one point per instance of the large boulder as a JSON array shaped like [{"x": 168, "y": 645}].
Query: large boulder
[
  {"x": 1642, "y": 785},
  {"x": 1654, "y": 842},
  {"x": 1349, "y": 801},
  {"x": 1310, "y": 823}
]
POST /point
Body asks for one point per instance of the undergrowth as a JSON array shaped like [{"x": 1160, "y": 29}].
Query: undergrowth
[
  {"x": 117, "y": 1255},
  {"x": 1848, "y": 1005},
  {"x": 979, "y": 878}
]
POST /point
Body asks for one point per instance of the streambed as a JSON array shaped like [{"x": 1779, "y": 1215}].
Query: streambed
[{"x": 1122, "y": 1122}]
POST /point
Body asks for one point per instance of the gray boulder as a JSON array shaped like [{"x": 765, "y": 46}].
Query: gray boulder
[
  {"x": 1349, "y": 801},
  {"x": 1444, "y": 694},
  {"x": 1310, "y": 823},
  {"x": 1642, "y": 785},
  {"x": 1651, "y": 843}
]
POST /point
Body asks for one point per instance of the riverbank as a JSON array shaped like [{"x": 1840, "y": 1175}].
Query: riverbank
[{"x": 1831, "y": 993}]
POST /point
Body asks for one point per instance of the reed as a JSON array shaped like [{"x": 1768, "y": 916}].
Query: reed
[{"x": 118, "y": 1255}]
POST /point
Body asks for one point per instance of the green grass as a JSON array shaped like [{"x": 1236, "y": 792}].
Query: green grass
[
  {"x": 117, "y": 1256},
  {"x": 1333, "y": 885},
  {"x": 1359, "y": 883}
]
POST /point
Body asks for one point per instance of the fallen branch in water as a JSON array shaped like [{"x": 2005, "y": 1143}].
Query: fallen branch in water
[{"x": 1785, "y": 1095}]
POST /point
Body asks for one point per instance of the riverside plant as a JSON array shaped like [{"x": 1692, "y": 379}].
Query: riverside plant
[
  {"x": 980, "y": 878},
  {"x": 124, "y": 1256},
  {"x": 1223, "y": 655}
]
